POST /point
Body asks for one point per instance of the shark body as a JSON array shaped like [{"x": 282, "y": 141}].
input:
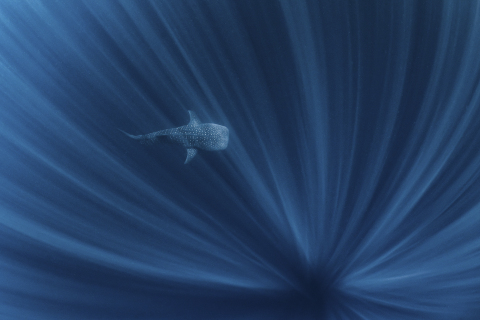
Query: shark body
[{"x": 193, "y": 136}]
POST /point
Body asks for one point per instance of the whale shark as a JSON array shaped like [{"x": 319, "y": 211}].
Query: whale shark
[{"x": 193, "y": 136}]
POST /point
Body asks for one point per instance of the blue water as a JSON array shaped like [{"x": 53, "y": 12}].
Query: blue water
[{"x": 350, "y": 188}]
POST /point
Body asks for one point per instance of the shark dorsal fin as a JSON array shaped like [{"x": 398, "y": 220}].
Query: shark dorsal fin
[
  {"x": 194, "y": 121},
  {"x": 191, "y": 152}
]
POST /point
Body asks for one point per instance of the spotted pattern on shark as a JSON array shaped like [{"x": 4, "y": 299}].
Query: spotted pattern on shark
[{"x": 193, "y": 136}]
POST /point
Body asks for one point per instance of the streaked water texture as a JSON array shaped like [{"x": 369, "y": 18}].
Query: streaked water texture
[{"x": 350, "y": 188}]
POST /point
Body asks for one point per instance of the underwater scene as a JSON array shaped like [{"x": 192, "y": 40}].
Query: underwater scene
[{"x": 239, "y": 159}]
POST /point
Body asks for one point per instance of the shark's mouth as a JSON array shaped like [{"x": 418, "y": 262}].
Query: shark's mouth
[{"x": 223, "y": 143}]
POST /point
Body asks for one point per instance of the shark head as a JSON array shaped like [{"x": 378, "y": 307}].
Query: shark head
[
  {"x": 205, "y": 136},
  {"x": 219, "y": 137}
]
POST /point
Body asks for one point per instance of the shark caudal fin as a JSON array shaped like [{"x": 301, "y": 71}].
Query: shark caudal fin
[
  {"x": 141, "y": 138},
  {"x": 131, "y": 135}
]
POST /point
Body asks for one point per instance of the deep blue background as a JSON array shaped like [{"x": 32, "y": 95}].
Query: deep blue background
[{"x": 350, "y": 188}]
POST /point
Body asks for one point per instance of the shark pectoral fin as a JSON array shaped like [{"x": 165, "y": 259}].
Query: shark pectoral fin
[
  {"x": 193, "y": 119},
  {"x": 191, "y": 152}
]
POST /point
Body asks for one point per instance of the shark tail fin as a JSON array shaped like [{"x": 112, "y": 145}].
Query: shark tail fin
[
  {"x": 141, "y": 138},
  {"x": 130, "y": 135}
]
